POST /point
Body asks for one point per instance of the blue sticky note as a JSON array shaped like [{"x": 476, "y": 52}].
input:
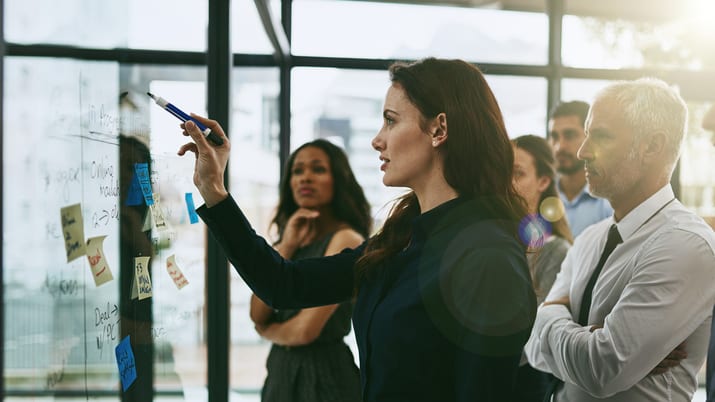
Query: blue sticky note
[
  {"x": 141, "y": 171},
  {"x": 134, "y": 195},
  {"x": 125, "y": 362},
  {"x": 193, "y": 216}
]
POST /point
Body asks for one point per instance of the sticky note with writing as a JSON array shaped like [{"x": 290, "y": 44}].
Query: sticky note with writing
[
  {"x": 97, "y": 262},
  {"x": 193, "y": 216},
  {"x": 73, "y": 231},
  {"x": 141, "y": 172},
  {"x": 125, "y": 363},
  {"x": 175, "y": 273},
  {"x": 141, "y": 275},
  {"x": 157, "y": 215}
]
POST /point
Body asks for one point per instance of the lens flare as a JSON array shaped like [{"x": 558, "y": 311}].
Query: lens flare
[
  {"x": 552, "y": 209},
  {"x": 534, "y": 230}
]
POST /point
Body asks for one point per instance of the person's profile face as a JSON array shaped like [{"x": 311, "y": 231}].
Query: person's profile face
[
  {"x": 612, "y": 163},
  {"x": 311, "y": 180},
  {"x": 405, "y": 148},
  {"x": 566, "y": 134},
  {"x": 526, "y": 180}
]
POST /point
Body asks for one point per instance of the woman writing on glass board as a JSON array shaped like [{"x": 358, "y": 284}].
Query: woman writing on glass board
[{"x": 443, "y": 298}]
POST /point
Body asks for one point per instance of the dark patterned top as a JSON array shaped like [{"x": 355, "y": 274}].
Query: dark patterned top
[{"x": 322, "y": 371}]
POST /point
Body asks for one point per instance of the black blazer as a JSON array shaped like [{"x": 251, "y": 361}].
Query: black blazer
[{"x": 444, "y": 320}]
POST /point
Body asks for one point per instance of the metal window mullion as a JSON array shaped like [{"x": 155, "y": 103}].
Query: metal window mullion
[
  {"x": 555, "y": 12},
  {"x": 218, "y": 59}
]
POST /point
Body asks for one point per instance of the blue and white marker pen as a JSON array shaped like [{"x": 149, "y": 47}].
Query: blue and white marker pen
[{"x": 211, "y": 136}]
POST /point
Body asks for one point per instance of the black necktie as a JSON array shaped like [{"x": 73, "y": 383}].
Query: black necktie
[{"x": 614, "y": 239}]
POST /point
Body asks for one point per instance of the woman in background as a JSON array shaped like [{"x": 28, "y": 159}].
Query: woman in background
[
  {"x": 322, "y": 210},
  {"x": 546, "y": 233}
]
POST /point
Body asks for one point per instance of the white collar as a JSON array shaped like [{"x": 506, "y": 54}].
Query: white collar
[{"x": 644, "y": 211}]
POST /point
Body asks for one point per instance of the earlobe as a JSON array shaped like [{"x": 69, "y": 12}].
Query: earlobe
[{"x": 439, "y": 135}]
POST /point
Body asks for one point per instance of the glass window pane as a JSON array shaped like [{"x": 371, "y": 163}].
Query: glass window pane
[
  {"x": 166, "y": 24},
  {"x": 73, "y": 22},
  {"x": 247, "y": 32},
  {"x": 581, "y": 89},
  {"x": 60, "y": 329},
  {"x": 696, "y": 165},
  {"x": 254, "y": 176},
  {"x": 410, "y": 31},
  {"x": 92, "y": 121},
  {"x": 685, "y": 42},
  {"x": 145, "y": 24},
  {"x": 179, "y": 320},
  {"x": 522, "y": 101}
]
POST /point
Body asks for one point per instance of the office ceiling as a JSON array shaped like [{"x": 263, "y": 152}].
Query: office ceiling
[{"x": 645, "y": 10}]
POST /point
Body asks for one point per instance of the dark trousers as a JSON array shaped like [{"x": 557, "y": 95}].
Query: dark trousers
[{"x": 531, "y": 384}]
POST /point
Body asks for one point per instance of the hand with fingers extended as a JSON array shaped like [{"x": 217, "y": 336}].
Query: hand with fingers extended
[
  {"x": 299, "y": 231},
  {"x": 211, "y": 159}
]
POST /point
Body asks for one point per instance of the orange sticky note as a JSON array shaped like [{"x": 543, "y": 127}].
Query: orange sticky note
[
  {"x": 97, "y": 262},
  {"x": 175, "y": 273}
]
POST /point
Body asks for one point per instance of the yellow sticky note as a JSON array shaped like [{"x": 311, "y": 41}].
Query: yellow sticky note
[
  {"x": 73, "y": 231},
  {"x": 97, "y": 262},
  {"x": 175, "y": 273},
  {"x": 141, "y": 275}
]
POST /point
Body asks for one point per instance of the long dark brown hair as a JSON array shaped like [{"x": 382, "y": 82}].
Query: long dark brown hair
[
  {"x": 478, "y": 157},
  {"x": 349, "y": 204},
  {"x": 545, "y": 165}
]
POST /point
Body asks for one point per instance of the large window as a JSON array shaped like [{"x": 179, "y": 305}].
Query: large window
[
  {"x": 684, "y": 42},
  {"x": 139, "y": 24},
  {"x": 68, "y": 155},
  {"x": 90, "y": 126},
  {"x": 696, "y": 165},
  {"x": 522, "y": 101},
  {"x": 402, "y": 31},
  {"x": 254, "y": 175},
  {"x": 247, "y": 33}
]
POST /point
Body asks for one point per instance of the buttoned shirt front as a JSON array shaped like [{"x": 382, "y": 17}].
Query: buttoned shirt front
[
  {"x": 584, "y": 210},
  {"x": 654, "y": 292}
]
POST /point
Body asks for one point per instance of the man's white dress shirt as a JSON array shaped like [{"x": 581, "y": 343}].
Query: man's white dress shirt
[{"x": 655, "y": 291}]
